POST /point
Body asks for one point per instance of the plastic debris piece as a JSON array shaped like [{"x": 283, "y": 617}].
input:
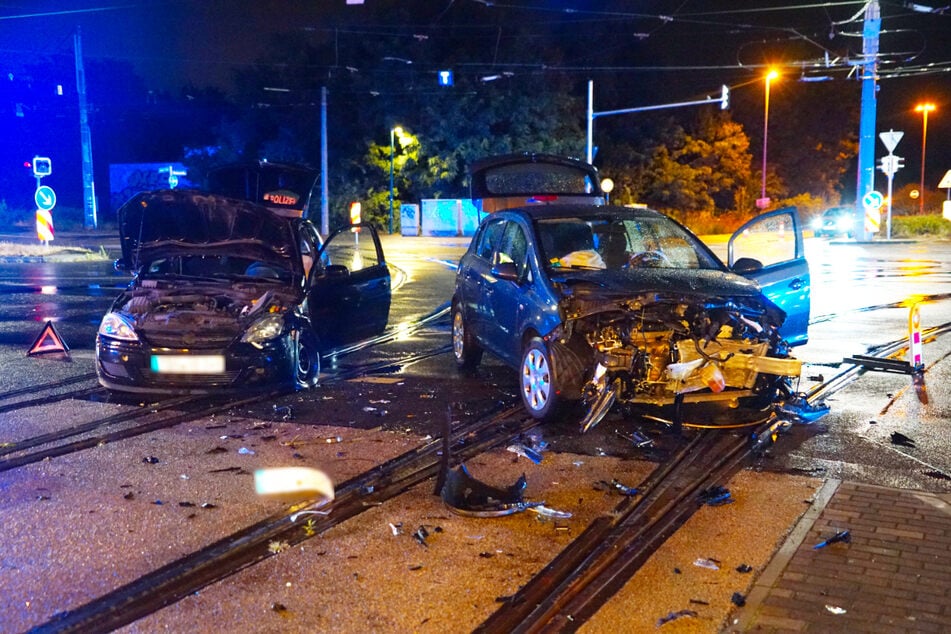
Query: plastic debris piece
[
  {"x": 549, "y": 513},
  {"x": 467, "y": 496},
  {"x": 208, "y": 505},
  {"x": 129, "y": 496},
  {"x": 294, "y": 483},
  {"x": 276, "y": 547},
  {"x": 716, "y": 496},
  {"x": 709, "y": 564},
  {"x": 673, "y": 616},
  {"x": 244, "y": 451},
  {"x": 699, "y": 602},
  {"x": 284, "y": 411},
  {"x": 899, "y": 438},
  {"x": 150, "y": 460},
  {"x": 835, "y": 609},
  {"x": 525, "y": 452},
  {"x": 186, "y": 504},
  {"x": 842, "y": 536},
  {"x": 278, "y": 607},
  {"x": 738, "y": 599},
  {"x": 800, "y": 410},
  {"x": 215, "y": 450},
  {"x": 637, "y": 438},
  {"x": 744, "y": 568},
  {"x": 620, "y": 488},
  {"x": 396, "y": 528},
  {"x": 420, "y": 536}
]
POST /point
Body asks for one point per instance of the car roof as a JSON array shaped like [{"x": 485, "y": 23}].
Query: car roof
[{"x": 539, "y": 212}]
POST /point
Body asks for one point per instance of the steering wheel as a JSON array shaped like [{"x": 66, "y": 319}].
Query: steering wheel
[{"x": 647, "y": 258}]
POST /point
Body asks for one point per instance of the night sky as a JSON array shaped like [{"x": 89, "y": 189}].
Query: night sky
[{"x": 696, "y": 44}]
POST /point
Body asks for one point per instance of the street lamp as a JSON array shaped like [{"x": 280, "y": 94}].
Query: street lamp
[
  {"x": 924, "y": 109},
  {"x": 393, "y": 132},
  {"x": 763, "y": 202}
]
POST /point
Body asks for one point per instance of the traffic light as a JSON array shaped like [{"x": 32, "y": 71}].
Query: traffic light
[
  {"x": 42, "y": 166},
  {"x": 724, "y": 97}
]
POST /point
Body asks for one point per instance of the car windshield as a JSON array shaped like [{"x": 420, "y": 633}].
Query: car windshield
[
  {"x": 621, "y": 244},
  {"x": 215, "y": 266}
]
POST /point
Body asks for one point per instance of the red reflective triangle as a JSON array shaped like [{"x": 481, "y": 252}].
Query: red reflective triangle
[{"x": 48, "y": 341}]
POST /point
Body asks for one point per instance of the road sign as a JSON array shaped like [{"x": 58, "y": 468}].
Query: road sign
[
  {"x": 44, "y": 197},
  {"x": 873, "y": 200},
  {"x": 891, "y": 139},
  {"x": 42, "y": 166},
  {"x": 945, "y": 181}
]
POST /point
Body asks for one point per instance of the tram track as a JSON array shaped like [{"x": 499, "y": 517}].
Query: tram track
[
  {"x": 590, "y": 570},
  {"x": 250, "y": 545}
]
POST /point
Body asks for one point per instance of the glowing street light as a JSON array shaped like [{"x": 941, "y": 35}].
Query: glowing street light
[
  {"x": 393, "y": 132},
  {"x": 763, "y": 202},
  {"x": 924, "y": 109}
]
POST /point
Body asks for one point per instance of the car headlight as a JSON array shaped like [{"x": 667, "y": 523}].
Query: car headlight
[
  {"x": 118, "y": 327},
  {"x": 264, "y": 329}
]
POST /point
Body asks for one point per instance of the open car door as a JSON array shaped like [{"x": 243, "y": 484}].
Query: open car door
[
  {"x": 769, "y": 250},
  {"x": 349, "y": 287}
]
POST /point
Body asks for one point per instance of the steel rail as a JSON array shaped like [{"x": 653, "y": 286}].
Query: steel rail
[
  {"x": 251, "y": 545},
  {"x": 606, "y": 555}
]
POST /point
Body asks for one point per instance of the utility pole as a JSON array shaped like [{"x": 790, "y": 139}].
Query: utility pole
[
  {"x": 85, "y": 136},
  {"x": 866, "y": 171},
  {"x": 324, "y": 189}
]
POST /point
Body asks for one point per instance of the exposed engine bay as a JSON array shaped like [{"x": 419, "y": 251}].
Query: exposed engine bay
[
  {"x": 210, "y": 312},
  {"x": 656, "y": 348}
]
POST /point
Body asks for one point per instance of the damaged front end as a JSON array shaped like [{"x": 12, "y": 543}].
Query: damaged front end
[{"x": 657, "y": 349}]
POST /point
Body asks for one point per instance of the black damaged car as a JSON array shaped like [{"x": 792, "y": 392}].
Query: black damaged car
[{"x": 228, "y": 294}]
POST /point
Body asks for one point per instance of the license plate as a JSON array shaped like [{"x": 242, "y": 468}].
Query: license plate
[{"x": 188, "y": 364}]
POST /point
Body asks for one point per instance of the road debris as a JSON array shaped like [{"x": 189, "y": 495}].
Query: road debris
[
  {"x": 615, "y": 485},
  {"x": 525, "y": 452},
  {"x": 637, "y": 438},
  {"x": 673, "y": 616},
  {"x": 284, "y": 412},
  {"x": 842, "y": 536},
  {"x": 294, "y": 483},
  {"x": 899, "y": 438},
  {"x": 744, "y": 568},
  {"x": 467, "y": 496},
  {"x": 798, "y": 409},
  {"x": 150, "y": 460},
  {"x": 835, "y": 609},
  {"x": 709, "y": 564},
  {"x": 244, "y": 451},
  {"x": 738, "y": 599},
  {"x": 396, "y": 529},
  {"x": 716, "y": 496}
]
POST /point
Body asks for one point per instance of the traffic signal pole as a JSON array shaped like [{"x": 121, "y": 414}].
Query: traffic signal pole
[{"x": 85, "y": 135}]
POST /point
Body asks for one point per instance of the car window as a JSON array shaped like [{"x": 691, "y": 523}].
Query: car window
[
  {"x": 514, "y": 248},
  {"x": 356, "y": 252},
  {"x": 771, "y": 240},
  {"x": 489, "y": 238}
]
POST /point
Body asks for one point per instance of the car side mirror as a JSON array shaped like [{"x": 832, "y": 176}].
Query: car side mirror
[
  {"x": 747, "y": 265},
  {"x": 506, "y": 271},
  {"x": 336, "y": 270}
]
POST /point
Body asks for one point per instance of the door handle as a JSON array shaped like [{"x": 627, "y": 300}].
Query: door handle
[{"x": 796, "y": 284}]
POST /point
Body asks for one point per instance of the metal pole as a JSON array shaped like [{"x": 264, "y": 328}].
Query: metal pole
[
  {"x": 392, "y": 152},
  {"x": 865, "y": 182},
  {"x": 324, "y": 184},
  {"x": 765, "y": 135},
  {"x": 590, "y": 153},
  {"x": 924, "y": 140}
]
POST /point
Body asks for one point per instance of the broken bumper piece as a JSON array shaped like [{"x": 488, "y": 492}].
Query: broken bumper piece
[
  {"x": 467, "y": 496},
  {"x": 799, "y": 410}
]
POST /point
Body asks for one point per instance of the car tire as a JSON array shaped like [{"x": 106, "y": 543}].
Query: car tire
[
  {"x": 306, "y": 359},
  {"x": 465, "y": 350},
  {"x": 541, "y": 393}
]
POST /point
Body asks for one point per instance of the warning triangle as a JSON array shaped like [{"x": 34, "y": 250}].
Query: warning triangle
[{"x": 48, "y": 341}]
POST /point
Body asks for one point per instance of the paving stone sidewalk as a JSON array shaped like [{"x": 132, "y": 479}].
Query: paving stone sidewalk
[{"x": 892, "y": 575}]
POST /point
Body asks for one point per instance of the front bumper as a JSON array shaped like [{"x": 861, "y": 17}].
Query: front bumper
[{"x": 127, "y": 367}]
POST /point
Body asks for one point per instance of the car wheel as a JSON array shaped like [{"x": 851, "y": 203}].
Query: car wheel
[
  {"x": 466, "y": 351},
  {"x": 306, "y": 359},
  {"x": 539, "y": 389}
]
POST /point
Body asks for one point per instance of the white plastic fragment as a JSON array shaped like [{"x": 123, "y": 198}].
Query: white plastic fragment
[
  {"x": 293, "y": 483},
  {"x": 709, "y": 564},
  {"x": 835, "y": 609}
]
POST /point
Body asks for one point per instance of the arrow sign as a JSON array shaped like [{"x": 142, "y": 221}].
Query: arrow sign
[
  {"x": 44, "y": 197},
  {"x": 891, "y": 139}
]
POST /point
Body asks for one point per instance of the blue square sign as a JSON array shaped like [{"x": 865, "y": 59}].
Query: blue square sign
[{"x": 445, "y": 78}]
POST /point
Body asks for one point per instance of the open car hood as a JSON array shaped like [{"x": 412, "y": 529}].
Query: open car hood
[{"x": 167, "y": 222}]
